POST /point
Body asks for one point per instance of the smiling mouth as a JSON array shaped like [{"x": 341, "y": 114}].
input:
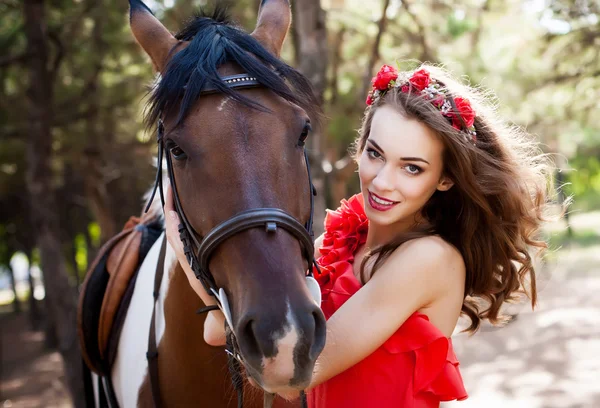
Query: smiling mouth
[{"x": 381, "y": 204}]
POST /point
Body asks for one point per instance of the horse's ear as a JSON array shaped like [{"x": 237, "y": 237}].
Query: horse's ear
[
  {"x": 154, "y": 38},
  {"x": 274, "y": 18}
]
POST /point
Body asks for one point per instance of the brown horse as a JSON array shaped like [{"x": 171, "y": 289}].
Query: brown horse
[{"x": 233, "y": 145}]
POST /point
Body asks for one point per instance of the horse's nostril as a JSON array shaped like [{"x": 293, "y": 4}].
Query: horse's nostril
[
  {"x": 247, "y": 333},
  {"x": 319, "y": 335}
]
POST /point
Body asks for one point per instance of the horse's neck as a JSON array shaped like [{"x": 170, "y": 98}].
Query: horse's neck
[{"x": 191, "y": 373}]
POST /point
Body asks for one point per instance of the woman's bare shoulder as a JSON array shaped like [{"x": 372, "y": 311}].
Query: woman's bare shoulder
[
  {"x": 439, "y": 258},
  {"x": 434, "y": 244}
]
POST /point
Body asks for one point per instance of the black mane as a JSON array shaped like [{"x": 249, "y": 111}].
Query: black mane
[{"x": 213, "y": 41}]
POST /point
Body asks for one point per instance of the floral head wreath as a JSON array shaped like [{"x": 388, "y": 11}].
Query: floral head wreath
[{"x": 458, "y": 110}]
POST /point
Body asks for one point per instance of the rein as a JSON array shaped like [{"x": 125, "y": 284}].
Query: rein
[{"x": 198, "y": 251}]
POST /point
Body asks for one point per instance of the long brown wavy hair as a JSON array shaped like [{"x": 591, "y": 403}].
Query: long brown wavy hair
[{"x": 494, "y": 210}]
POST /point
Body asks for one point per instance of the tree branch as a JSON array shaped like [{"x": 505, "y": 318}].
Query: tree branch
[
  {"x": 381, "y": 26},
  {"x": 14, "y": 59},
  {"x": 72, "y": 26},
  {"x": 477, "y": 33},
  {"x": 17, "y": 131},
  {"x": 562, "y": 78},
  {"x": 60, "y": 53},
  {"x": 335, "y": 64},
  {"x": 426, "y": 54}
]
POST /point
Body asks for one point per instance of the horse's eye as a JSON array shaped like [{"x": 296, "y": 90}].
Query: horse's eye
[
  {"x": 305, "y": 132},
  {"x": 178, "y": 153}
]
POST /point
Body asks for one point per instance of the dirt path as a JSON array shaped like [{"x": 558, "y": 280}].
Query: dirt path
[
  {"x": 30, "y": 376},
  {"x": 549, "y": 358}
]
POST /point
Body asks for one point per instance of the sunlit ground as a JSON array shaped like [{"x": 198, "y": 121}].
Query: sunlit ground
[
  {"x": 550, "y": 357},
  {"x": 31, "y": 376}
]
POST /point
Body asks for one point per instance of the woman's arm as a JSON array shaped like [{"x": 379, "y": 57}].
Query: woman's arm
[
  {"x": 214, "y": 325},
  {"x": 414, "y": 276}
]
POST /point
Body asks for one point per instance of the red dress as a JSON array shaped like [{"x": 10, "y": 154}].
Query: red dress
[{"x": 415, "y": 368}]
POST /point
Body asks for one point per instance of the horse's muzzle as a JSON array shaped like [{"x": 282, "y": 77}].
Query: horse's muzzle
[{"x": 284, "y": 354}]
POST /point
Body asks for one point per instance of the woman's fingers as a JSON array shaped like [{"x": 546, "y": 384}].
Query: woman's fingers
[
  {"x": 172, "y": 224},
  {"x": 290, "y": 395},
  {"x": 168, "y": 200}
]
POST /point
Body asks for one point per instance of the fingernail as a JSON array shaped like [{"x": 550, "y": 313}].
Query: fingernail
[{"x": 173, "y": 215}]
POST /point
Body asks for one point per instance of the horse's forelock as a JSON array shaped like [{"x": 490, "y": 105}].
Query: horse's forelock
[{"x": 211, "y": 42}]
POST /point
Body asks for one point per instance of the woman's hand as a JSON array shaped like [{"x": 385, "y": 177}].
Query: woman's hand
[
  {"x": 290, "y": 395},
  {"x": 214, "y": 325},
  {"x": 172, "y": 222}
]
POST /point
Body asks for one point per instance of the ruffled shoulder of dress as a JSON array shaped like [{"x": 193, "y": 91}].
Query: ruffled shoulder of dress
[
  {"x": 345, "y": 230},
  {"x": 436, "y": 366}
]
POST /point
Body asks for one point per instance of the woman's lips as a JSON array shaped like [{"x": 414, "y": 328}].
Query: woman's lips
[{"x": 381, "y": 204}]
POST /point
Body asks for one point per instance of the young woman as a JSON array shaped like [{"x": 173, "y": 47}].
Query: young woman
[{"x": 450, "y": 203}]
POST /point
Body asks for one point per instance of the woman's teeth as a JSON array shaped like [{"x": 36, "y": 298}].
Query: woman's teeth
[{"x": 382, "y": 202}]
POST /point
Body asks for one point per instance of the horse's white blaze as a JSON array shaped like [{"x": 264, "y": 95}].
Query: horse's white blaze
[
  {"x": 130, "y": 365},
  {"x": 279, "y": 370},
  {"x": 223, "y": 103}
]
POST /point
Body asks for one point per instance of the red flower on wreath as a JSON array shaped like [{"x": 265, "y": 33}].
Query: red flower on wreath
[
  {"x": 383, "y": 78},
  {"x": 370, "y": 99},
  {"x": 463, "y": 106},
  {"x": 420, "y": 79}
]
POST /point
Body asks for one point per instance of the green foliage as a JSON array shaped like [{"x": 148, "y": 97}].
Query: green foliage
[
  {"x": 580, "y": 238},
  {"x": 81, "y": 253},
  {"x": 584, "y": 182},
  {"x": 459, "y": 25},
  {"x": 35, "y": 257},
  {"x": 342, "y": 129},
  {"x": 94, "y": 233}
]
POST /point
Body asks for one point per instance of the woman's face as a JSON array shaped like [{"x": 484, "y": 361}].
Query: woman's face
[{"x": 400, "y": 168}]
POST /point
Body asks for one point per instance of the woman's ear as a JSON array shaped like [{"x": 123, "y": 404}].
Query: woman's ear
[{"x": 445, "y": 184}]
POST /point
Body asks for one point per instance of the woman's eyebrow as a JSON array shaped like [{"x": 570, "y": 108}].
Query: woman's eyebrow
[
  {"x": 402, "y": 158},
  {"x": 376, "y": 145},
  {"x": 413, "y": 159}
]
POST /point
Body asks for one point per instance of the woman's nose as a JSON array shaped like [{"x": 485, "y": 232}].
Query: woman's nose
[{"x": 384, "y": 180}]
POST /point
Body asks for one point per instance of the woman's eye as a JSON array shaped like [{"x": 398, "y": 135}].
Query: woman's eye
[
  {"x": 304, "y": 134},
  {"x": 178, "y": 153},
  {"x": 372, "y": 153},
  {"x": 412, "y": 169}
]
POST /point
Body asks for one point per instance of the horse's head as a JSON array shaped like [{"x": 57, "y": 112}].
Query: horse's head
[{"x": 233, "y": 150}]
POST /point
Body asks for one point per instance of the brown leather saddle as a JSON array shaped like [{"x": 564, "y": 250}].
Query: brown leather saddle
[{"x": 106, "y": 292}]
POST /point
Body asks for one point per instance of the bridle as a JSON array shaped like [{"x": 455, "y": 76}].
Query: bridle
[{"x": 199, "y": 250}]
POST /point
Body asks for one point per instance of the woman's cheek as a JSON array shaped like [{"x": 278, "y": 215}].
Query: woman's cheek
[
  {"x": 365, "y": 169},
  {"x": 414, "y": 187}
]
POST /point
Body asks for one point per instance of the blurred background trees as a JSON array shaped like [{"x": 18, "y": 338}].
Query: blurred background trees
[{"x": 75, "y": 159}]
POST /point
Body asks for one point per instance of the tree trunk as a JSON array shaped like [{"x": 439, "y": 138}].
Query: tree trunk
[
  {"x": 60, "y": 295},
  {"x": 13, "y": 282},
  {"x": 310, "y": 46},
  {"x": 34, "y": 313},
  {"x": 95, "y": 184},
  {"x": 336, "y": 60}
]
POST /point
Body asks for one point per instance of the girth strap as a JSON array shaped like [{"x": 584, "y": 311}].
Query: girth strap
[{"x": 152, "y": 353}]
